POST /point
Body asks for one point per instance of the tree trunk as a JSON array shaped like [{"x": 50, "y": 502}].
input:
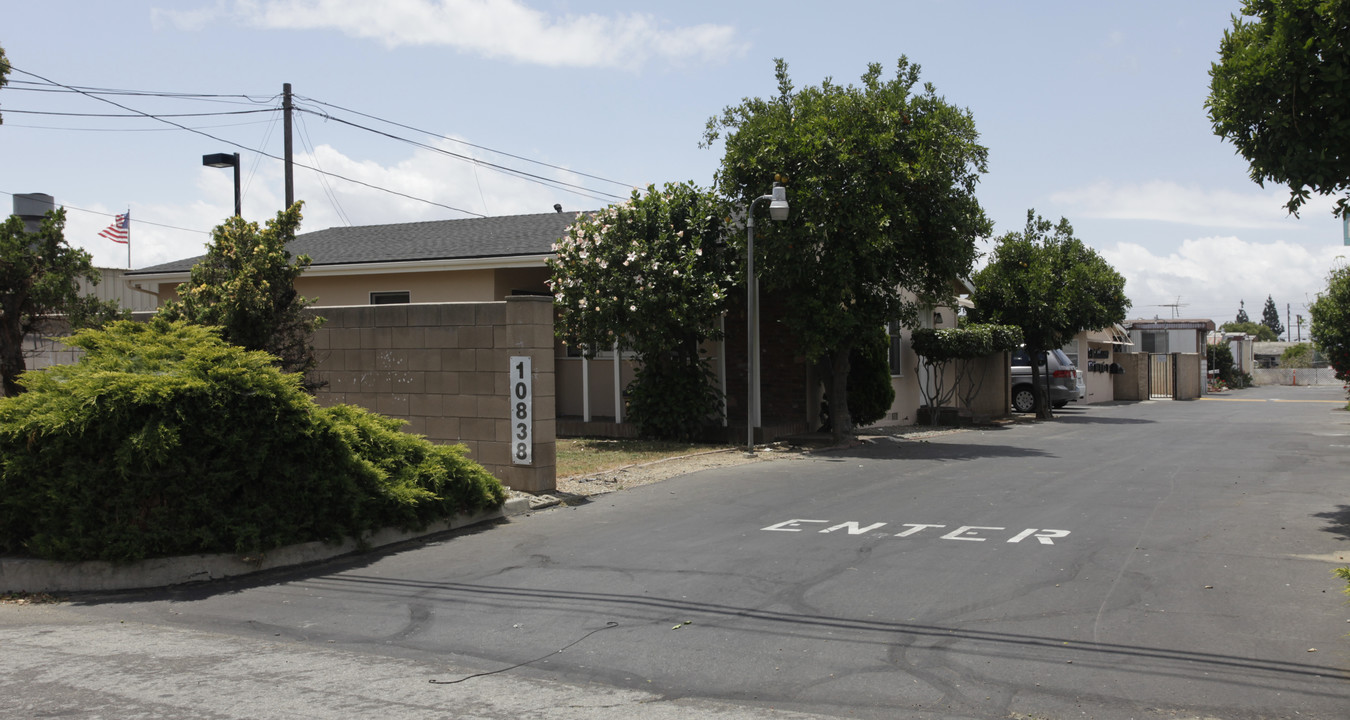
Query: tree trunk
[
  {"x": 11, "y": 360},
  {"x": 1038, "y": 386},
  {"x": 840, "y": 420}
]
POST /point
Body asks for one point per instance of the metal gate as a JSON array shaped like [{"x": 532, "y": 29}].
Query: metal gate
[{"x": 1160, "y": 383}]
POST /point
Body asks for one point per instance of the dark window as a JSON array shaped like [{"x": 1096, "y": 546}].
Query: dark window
[
  {"x": 897, "y": 366},
  {"x": 390, "y": 298},
  {"x": 1155, "y": 341}
]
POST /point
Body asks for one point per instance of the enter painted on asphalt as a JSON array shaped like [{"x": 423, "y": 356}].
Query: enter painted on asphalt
[{"x": 968, "y": 533}]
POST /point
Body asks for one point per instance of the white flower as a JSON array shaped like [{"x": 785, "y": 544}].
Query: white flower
[
  {"x": 632, "y": 308},
  {"x": 699, "y": 252}
]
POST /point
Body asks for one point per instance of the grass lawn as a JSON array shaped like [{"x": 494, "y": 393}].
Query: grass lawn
[{"x": 583, "y": 456}]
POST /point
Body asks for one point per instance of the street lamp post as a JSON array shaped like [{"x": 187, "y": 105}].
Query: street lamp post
[
  {"x": 778, "y": 212},
  {"x": 223, "y": 160}
]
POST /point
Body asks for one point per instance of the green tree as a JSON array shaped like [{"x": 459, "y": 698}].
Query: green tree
[
  {"x": 881, "y": 179},
  {"x": 651, "y": 273},
  {"x": 1331, "y": 321},
  {"x": 246, "y": 286},
  {"x": 1242, "y": 313},
  {"x": 1279, "y": 93},
  {"x": 1270, "y": 317},
  {"x": 39, "y": 278},
  {"x": 1297, "y": 356},
  {"x": 1261, "y": 332},
  {"x": 1048, "y": 283}
]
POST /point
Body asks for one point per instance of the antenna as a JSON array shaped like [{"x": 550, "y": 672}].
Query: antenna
[{"x": 1175, "y": 305}]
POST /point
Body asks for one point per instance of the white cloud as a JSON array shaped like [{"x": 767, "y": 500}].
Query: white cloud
[
  {"x": 491, "y": 28},
  {"x": 425, "y": 175},
  {"x": 1209, "y": 276},
  {"x": 1171, "y": 202}
]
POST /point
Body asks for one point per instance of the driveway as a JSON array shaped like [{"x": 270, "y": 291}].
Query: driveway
[{"x": 1146, "y": 560}]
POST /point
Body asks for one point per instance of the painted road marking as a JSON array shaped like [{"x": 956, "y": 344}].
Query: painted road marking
[
  {"x": 969, "y": 533},
  {"x": 1271, "y": 400}
]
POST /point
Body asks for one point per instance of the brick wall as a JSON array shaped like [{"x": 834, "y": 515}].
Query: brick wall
[{"x": 444, "y": 368}]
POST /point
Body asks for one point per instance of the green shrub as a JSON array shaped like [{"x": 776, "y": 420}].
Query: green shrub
[
  {"x": 164, "y": 440},
  {"x": 673, "y": 396},
  {"x": 870, "y": 392}
]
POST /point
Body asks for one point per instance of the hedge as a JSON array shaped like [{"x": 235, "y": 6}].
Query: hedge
[{"x": 164, "y": 440}]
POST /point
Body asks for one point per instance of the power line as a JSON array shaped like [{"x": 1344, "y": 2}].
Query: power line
[
  {"x": 463, "y": 142},
  {"x": 138, "y": 219},
  {"x": 244, "y": 147},
  {"x": 531, "y": 177},
  {"x": 124, "y": 130},
  {"x": 101, "y": 94},
  {"x": 137, "y": 116}
]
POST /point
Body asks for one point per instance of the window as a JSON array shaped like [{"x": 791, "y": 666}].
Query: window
[
  {"x": 390, "y": 298},
  {"x": 1155, "y": 341},
  {"x": 895, "y": 358},
  {"x": 1071, "y": 350}
]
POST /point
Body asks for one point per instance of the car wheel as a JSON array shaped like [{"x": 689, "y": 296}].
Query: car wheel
[
  {"x": 1023, "y": 400},
  {"x": 1061, "y": 404}
]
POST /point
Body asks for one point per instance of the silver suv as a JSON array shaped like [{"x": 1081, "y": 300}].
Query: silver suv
[{"x": 1060, "y": 376}]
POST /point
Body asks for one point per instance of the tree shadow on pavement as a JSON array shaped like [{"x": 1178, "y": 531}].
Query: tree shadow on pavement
[
  {"x": 1338, "y": 521},
  {"x": 922, "y": 449}
]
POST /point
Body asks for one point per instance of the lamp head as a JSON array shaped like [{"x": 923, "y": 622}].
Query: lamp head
[
  {"x": 778, "y": 206},
  {"x": 220, "y": 160}
]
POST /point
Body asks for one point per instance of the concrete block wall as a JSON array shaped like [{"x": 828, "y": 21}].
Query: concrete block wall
[
  {"x": 444, "y": 367},
  {"x": 1133, "y": 383}
]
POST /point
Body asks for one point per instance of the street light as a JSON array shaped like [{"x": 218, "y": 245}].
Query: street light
[
  {"x": 778, "y": 212},
  {"x": 223, "y": 160}
]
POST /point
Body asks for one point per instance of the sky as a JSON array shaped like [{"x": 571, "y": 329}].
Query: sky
[{"x": 1091, "y": 111}]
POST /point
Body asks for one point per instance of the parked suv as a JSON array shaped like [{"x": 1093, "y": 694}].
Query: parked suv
[{"x": 1062, "y": 380}]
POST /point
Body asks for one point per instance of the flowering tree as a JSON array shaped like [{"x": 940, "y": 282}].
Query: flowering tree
[{"x": 650, "y": 273}]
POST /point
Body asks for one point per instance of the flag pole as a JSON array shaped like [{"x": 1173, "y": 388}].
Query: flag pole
[{"x": 128, "y": 237}]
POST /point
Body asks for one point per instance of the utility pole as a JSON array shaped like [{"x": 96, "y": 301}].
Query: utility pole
[
  {"x": 1287, "y": 317},
  {"x": 286, "y": 135}
]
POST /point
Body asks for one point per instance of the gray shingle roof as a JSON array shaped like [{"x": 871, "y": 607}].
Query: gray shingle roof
[{"x": 506, "y": 236}]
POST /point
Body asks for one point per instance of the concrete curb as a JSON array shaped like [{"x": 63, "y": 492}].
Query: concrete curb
[{"x": 47, "y": 576}]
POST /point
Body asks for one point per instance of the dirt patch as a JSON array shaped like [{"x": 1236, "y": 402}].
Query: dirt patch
[{"x": 579, "y": 487}]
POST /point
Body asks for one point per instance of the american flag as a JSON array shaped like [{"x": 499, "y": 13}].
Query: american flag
[{"x": 120, "y": 229}]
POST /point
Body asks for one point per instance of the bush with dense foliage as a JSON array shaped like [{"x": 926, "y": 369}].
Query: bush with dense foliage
[{"x": 165, "y": 440}]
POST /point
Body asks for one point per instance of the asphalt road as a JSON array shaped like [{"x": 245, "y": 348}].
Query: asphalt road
[{"x": 1145, "y": 560}]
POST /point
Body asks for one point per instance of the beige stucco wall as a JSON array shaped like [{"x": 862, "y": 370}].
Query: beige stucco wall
[
  {"x": 436, "y": 286},
  {"x": 1189, "y": 376},
  {"x": 444, "y": 368},
  {"x": 423, "y": 287}
]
